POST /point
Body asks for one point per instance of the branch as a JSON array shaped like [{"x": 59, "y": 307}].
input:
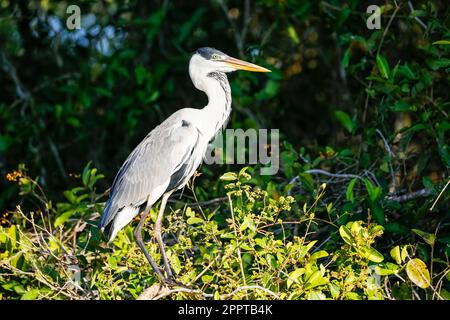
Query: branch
[
  {"x": 366, "y": 103},
  {"x": 412, "y": 195},
  {"x": 390, "y": 155},
  {"x": 209, "y": 203},
  {"x": 156, "y": 292},
  {"x": 411, "y": 8},
  {"x": 21, "y": 91},
  {"x": 334, "y": 175},
  {"x": 269, "y": 292},
  {"x": 440, "y": 194}
]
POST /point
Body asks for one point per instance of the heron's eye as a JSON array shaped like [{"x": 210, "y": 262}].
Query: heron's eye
[{"x": 215, "y": 56}]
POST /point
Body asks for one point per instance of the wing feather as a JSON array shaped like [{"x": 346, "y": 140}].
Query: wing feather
[{"x": 151, "y": 164}]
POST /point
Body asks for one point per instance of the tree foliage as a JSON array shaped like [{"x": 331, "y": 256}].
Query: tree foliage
[{"x": 358, "y": 210}]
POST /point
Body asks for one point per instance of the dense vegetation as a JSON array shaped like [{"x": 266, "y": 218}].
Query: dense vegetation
[{"x": 358, "y": 210}]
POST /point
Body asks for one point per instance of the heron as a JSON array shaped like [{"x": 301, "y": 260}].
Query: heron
[{"x": 165, "y": 160}]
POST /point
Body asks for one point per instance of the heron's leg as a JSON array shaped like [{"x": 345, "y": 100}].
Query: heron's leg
[
  {"x": 158, "y": 229},
  {"x": 138, "y": 237}
]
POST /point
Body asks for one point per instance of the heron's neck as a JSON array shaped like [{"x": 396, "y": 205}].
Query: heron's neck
[{"x": 218, "y": 109}]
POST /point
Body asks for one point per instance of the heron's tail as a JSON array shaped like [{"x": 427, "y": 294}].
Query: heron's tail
[{"x": 113, "y": 220}]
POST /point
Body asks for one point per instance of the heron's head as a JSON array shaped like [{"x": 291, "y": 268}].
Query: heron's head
[{"x": 206, "y": 60}]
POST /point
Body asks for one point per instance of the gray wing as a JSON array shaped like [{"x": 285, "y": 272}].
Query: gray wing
[{"x": 166, "y": 154}]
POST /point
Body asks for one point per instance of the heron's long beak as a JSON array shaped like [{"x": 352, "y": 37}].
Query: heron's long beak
[{"x": 243, "y": 65}]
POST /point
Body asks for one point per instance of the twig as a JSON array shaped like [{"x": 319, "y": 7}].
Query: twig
[
  {"x": 366, "y": 103},
  {"x": 440, "y": 194},
  {"x": 238, "y": 249},
  {"x": 411, "y": 8},
  {"x": 439, "y": 283},
  {"x": 57, "y": 157},
  {"x": 334, "y": 175},
  {"x": 397, "y": 7},
  {"x": 425, "y": 278},
  {"x": 238, "y": 36},
  {"x": 166, "y": 292},
  {"x": 412, "y": 195},
  {"x": 205, "y": 270},
  {"x": 273, "y": 294},
  {"x": 208, "y": 203},
  {"x": 390, "y": 155},
  {"x": 21, "y": 91},
  {"x": 149, "y": 294}
]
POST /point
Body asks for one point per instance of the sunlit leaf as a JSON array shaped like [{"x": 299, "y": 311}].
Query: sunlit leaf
[
  {"x": 383, "y": 66},
  {"x": 427, "y": 237},
  {"x": 395, "y": 254},
  {"x": 418, "y": 273}
]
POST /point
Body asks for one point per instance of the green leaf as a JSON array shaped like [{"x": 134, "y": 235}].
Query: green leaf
[
  {"x": 86, "y": 173},
  {"x": 269, "y": 91},
  {"x": 316, "y": 279},
  {"x": 194, "y": 220},
  {"x": 248, "y": 223},
  {"x": 293, "y": 276},
  {"x": 444, "y": 294},
  {"x": 74, "y": 122},
  {"x": 152, "y": 97},
  {"x": 400, "y": 106},
  {"x": 319, "y": 254},
  {"x": 383, "y": 66},
  {"x": 293, "y": 34},
  {"x": 371, "y": 254},
  {"x": 5, "y": 142},
  {"x": 70, "y": 196},
  {"x": 427, "y": 183},
  {"x": 442, "y": 42},
  {"x": 103, "y": 92},
  {"x": 242, "y": 171},
  {"x": 439, "y": 63},
  {"x": 349, "y": 193},
  {"x": 418, "y": 273},
  {"x": 63, "y": 218},
  {"x": 395, "y": 254},
  {"x": 345, "y": 120},
  {"x": 207, "y": 278},
  {"x": 374, "y": 192},
  {"x": 229, "y": 176},
  {"x": 346, "y": 59},
  {"x": 316, "y": 295},
  {"x": 427, "y": 237},
  {"x": 404, "y": 253},
  {"x": 32, "y": 294},
  {"x": 387, "y": 269},
  {"x": 140, "y": 73},
  {"x": 346, "y": 235},
  {"x": 378, "y": 213},
  {"x": 186, "y": 29}
]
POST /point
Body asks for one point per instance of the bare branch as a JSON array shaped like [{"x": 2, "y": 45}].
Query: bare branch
[
  {"x": 440, "y": 194},
  {"x": 411, "y": 8},
  {"x": 208, "y": 203},
  {"x": 412, "y": 195},
  {"x": 334, "y": 175},
  {"x": 390, "y": 155}
]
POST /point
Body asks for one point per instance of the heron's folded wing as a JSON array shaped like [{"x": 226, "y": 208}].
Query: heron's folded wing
[{"x": 151, "y": 164}]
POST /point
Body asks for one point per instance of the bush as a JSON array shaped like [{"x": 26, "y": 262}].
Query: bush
[{"x": 252, "y": 246}]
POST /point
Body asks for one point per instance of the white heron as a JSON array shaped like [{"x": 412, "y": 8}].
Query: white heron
[{"x": 171, "y": 153}]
